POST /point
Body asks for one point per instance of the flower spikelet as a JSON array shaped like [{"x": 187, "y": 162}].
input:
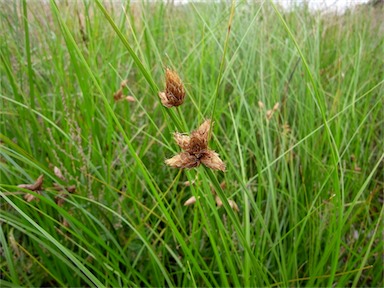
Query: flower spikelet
[
  {"x": 35, "y": 187},
  {"x": 195, "y": 150},
  {"x": 119, "y": 95},
  {"x": 183, "y": 160},
  {"x": 174, "y": 93}
]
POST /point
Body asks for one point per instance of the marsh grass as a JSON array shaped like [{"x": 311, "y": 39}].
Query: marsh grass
[{"x": 307, "y": 177}]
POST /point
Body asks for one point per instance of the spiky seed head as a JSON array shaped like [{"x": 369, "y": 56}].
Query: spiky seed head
[
  {"x": 196, "y": 150},
  {"x": 199, "y": 138},
  {"x": 174, "y": 90}
]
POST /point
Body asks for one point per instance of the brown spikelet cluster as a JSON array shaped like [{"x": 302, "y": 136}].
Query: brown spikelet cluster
[
  {"x": 174, "y": 93},
  {"x": 219, "y": 203},
  {"x": 119, "y": 94},
  {"x": 35, "y": 187},
  {"x": 269, "y": 113},
  {"x": 195, "y": 150}
]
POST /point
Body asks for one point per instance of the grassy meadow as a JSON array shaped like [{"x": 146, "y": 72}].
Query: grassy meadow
[{"x": 296, "y": 98}]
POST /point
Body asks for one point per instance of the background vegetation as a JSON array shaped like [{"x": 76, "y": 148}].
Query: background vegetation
[{"x": 308, "y": 181}]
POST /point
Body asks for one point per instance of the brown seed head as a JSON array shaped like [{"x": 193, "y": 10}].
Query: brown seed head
[
  {"x": 174, "y": 90},
  {"x": 199, "y": 138},
  {"x": 190, "y": 201},
  {"x": 30, "y": 197},
  {"x": 233, "y": 205},
  {"x": 130, "y": 98},
  {"x": 37, "y": 186},
  {"x": 230, "y": 202},
  {"x": 60, "y": 199},
  {"x": 124, "y": 83},
  {"x": 118, "y": 95},
  {"x": 276, "y": 106},
  {"x": 218, "y": 201},
  {"x": 58, "y": 173},
  {"x": 196, "y": 150},
  {"x": 269, "y": 114}
]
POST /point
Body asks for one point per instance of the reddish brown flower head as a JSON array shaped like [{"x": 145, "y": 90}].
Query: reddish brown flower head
[
  {"x": 195, "y": 150},
  {"x": 174, "y": 93},
  {"x": 119, "y": 94},
  {"x": 35, "y": 187}
]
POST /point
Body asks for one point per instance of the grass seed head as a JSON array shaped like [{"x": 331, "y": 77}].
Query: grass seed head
[
  {"x": 195, "y": 150},
  {"x": 276, "y": 106},
  {"x": 30, "y": 197},
  {"x": 119, "y": 94},
  {"x": 58, "y": 173},
  {"x": 190, "y": 201},
  {"x": 36, "y": 187},
  {"x": 231, "y": 203},
  {"x": 130, "y": 98},
  {"x": 269, "y": 114},
  {"x": 174, "y": 90}
]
